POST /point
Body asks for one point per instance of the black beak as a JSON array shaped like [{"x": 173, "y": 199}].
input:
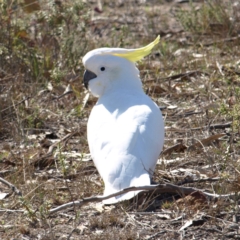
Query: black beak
[{"x": 88, "y": 75}]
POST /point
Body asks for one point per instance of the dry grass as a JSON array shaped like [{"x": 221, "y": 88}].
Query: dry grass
[{"x": 40, "y": 58}]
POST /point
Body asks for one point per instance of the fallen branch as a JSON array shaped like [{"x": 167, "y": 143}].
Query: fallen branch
[
  {"x": 159, "y": 188},
  {"x": 13, "y": 188}
]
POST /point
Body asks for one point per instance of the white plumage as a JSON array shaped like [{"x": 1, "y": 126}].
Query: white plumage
[{"x": 125, "y": 128}]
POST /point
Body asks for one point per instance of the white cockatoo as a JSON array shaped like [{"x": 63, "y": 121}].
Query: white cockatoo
[{"x": 125, "y": 129}]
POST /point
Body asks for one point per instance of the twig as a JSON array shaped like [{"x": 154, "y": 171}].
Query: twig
[
  {"x": 11, "y": 211},
  {"x": 14, "y": 189},
  {"x": 187, "y": 181},
  {"x": 217, "y": 42},
  {"x": 214, "y": 126},
  {"x": 71, "y": 233},
  {"x": 51, "y": 148},
  {"x": 205, "y": 141},
  {"x": 210, "y": 127},
  {"x": 160, "y": 188},
  {"x": 64, "y": 94},
  {"x": 29, "y": 193},
  {"x": 180, "y": 147},
  {"x": 5, "y": 109},
  {"x": 181, "y": 75},
  {"x": 182, "y": 115},
  {"x": 156, "y": 234}
]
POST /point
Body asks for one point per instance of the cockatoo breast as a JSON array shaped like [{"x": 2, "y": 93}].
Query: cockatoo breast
[{"x": 125, "y": 135}]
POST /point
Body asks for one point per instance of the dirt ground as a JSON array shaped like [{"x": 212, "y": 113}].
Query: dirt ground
[{"x": 193, "y": 75}]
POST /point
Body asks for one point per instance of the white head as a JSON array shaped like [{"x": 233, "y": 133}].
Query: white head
[{"x": 108, "y": 68}]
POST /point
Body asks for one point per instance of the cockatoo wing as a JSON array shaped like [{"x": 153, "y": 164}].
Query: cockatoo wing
[{"x": 125, "y": 140}]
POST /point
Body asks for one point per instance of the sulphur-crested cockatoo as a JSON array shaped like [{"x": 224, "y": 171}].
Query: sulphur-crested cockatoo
[{"x": 125, "y": 129}]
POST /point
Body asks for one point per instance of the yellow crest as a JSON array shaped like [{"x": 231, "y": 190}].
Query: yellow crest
[{"x": 135, "y": 55}]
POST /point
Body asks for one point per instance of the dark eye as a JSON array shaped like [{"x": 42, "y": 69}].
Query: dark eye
[{"x": 102, "y": 69}]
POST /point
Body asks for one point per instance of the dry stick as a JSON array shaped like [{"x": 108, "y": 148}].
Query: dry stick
[
  {"x": 11, "y": 211},
  {"x": 220, "y": 41},
  {"x": 15, "y": 104},
  {"x": 210, "y": 127},
  {"x": 28, "y": 194},
  {"x": 161, "y": 232},
  {"x": 182, "y": 115},
  {"x": 14, "y": 189},
  {"x": 215, "y": 126},
  {"x": 161, "y": 188},
  {"x": 69, "y": 135},
  {"x": 181, "y": 75},
  {"x": 64, "y": 94},
  {"x": 187, "y": 181},
  {"x": 215, "y": 42}
]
